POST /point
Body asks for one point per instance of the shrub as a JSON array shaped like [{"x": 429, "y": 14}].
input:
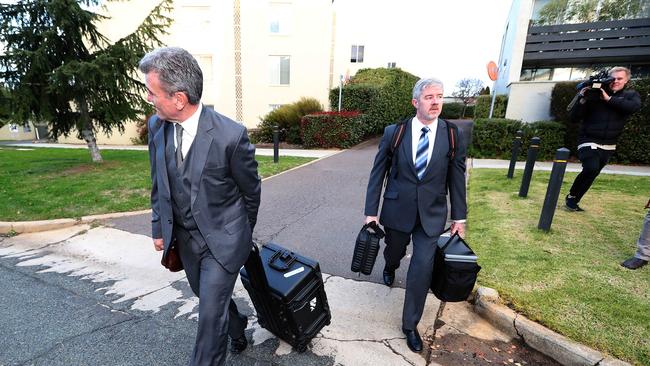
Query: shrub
[
  {"x": 287, "y": 118},
  {"x": 333, "y": 129},
  {"x": 492, "y": 138},
  {"x": 560, "y": 98},
  {"x": 632, "y": 147},
  {"x": 382, "y": 95},
  {"x": 451, "y": 110},
  {"x": 482, "y": 108},
  {"x": 143, "y": 132}
]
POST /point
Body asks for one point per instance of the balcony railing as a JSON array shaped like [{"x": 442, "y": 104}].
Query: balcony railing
[{"x": 588, "y": 43}]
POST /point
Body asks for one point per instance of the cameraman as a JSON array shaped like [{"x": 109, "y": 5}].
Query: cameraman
[{"x": 603, "y": 114}]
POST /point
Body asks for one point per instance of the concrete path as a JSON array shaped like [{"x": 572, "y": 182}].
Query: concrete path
[
  {"x": 128, "y": 310},
  {"x": 571, "y": 167}
]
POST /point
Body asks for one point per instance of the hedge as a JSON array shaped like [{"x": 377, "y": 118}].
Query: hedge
[
  {"x": 632, "y": 145},
  {"x": 333, "y": 129},
  {"x": 287, "y": 118},
  {"x": 492, "y": 138},
  {"x": 482, "y": 108},
  {"x": 455, "y": 111},
  {"x": 382, "y": 95}
]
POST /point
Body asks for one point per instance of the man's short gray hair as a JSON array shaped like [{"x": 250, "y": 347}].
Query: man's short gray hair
[
  {"x": 620, "y": 68},
  {"x": 423, "y": 84},
  {"x": 178, "y": 71}
]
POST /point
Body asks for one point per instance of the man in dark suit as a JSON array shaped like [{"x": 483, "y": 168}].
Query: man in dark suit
[
  {"x": 415, "y": 204},
  {"x": 205, "y": 195}
]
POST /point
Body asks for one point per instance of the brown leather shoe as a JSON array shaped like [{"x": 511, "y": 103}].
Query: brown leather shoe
[{"x": 634, "y": 263}]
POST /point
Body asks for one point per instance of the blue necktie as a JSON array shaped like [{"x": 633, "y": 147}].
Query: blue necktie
[{"x": 423, "y": 150}]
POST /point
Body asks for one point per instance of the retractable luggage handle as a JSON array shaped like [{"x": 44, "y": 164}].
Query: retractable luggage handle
[{"x": 286, "y": 259}]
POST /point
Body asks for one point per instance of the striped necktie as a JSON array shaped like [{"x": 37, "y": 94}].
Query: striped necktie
[{"x": 423, "y": 151}]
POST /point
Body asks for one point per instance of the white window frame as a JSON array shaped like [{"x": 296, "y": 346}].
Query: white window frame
[
  {"x": 357, "y": 53},
  {"x": 276, "y": 63}
]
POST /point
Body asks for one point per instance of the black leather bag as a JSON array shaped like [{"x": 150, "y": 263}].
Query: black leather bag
[
  {"x": 455, "y": 269},
  {"x": 366, "y": 248}
]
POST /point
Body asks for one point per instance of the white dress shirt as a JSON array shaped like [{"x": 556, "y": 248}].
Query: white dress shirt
[
  {"x": 190, "y": 126},
  {"x": 416, "y": 132}
]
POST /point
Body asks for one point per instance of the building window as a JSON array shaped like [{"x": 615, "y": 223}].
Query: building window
[
  {"x": 27, "y": 128},
  {"x": 273, "y": 107},
  {"x": 357, "y": 53},
  {"x": 280, "y": 18},
  {"x": 391, "y": 65},
  {"x": 280, "y": 70}
]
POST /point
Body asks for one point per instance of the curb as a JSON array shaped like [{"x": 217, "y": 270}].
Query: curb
[
  {"x": 21, "y": 227},
  {"x": 542, "y": 339}
]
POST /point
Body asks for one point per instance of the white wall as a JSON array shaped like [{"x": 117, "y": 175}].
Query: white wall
[
  {"x": 513, "y": 44},
  {"x": 530, "y": 101}
]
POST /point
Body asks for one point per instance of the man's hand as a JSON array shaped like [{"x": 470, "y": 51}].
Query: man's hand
[
  {"x": 604, "y": 96},
  {"x": 370, "y": 219},
  {"x": 158, "y": 244},
  {"x": 458, "y": 227}
]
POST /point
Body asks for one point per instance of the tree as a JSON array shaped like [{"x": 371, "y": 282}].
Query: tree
[
  {"x": 58, "y": 68},
  {"x": 553, "y": 12},
  {"x": 467, "y": 90}
]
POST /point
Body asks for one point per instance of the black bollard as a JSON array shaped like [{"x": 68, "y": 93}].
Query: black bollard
[
  {"x": 530, "y": 164},
  {"x": 553, "y": 190},
  {"x": 516, "y": 145},
  {"x": 276, "y": 143}
]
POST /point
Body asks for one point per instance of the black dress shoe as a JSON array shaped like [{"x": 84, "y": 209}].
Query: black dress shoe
[
  {"x": 238, "y": 345},
  {"x": 571, "y": 204},
  {"x": 413, "y": 340},
  {"x": 634, "y": 263},
  {"x": 389, "y": 277}
]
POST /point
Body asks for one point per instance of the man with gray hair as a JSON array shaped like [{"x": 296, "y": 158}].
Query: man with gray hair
[
  {"x": 420, "y": 160},
  {"x": 205, "y": 195}
]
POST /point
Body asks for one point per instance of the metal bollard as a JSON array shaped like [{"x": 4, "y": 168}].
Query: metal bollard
[
  {"x": 276, "y": 143},
  {"x": 530, "y": 164},
  {"x": 516, "y": 145},
  {"x": 553, "y": 190}
]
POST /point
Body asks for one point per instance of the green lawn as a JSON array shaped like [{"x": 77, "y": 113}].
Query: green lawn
[
  {"x": 47, "y": 183},
  {"x": 568, "y": 279}
]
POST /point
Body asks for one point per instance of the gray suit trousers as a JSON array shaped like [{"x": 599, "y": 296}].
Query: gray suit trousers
[{"x": 218, "y": 315}]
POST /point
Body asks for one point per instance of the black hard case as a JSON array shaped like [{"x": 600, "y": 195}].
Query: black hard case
[{"x": 294, "y": 308}]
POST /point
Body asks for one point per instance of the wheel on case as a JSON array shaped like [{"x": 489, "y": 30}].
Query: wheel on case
[{"x": 301, "y": 348}]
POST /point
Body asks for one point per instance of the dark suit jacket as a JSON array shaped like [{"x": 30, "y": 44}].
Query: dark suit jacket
[
  {"x": 225, "y": 191},
  {"x": 405, "y": 195}
]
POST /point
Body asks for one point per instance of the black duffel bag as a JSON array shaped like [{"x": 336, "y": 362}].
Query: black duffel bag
[
  {"x": 454, "y": 270},
  {"x": 366, "y": 248}
]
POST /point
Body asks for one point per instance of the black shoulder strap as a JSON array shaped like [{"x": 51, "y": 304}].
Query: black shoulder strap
[
  {"x": 398, "y": 136},
  {"x": 452, "y": 137}
]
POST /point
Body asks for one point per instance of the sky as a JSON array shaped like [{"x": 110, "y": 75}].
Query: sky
[{"x": 447, "y": 39}]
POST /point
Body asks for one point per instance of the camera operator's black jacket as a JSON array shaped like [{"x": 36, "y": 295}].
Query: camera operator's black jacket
[{"x": 602, "y": 122}]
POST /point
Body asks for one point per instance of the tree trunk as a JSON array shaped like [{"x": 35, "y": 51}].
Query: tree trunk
[
  {"x": 462, "y": 115},
  {"x": 87, "y": 132}
]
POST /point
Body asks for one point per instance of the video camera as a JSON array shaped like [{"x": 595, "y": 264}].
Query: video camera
[{"x": 601, "y": 80}]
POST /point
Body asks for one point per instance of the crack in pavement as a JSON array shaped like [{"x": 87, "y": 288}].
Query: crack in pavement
[
  {"x": 286, "y": 226},
  {"x": 66, "y": 340},
  {"x": 360, "y": 340},
  {"x": 51, "y": 244},
  {"x": 387, "y": 344}
]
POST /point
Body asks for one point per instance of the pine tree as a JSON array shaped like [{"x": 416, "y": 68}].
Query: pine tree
[{"x": 58, "y": 68}]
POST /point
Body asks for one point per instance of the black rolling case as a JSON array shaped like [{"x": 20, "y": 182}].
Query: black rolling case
[{"x": 288, "y": 294}]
